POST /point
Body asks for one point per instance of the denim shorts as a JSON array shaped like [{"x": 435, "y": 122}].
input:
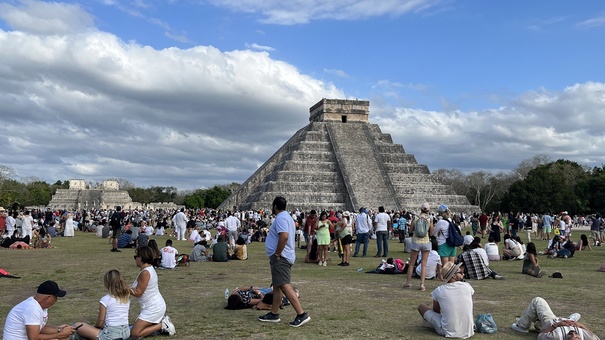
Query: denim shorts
[
  {"x": 445, "y": 250},
  {"x": 114, "y": 332}
]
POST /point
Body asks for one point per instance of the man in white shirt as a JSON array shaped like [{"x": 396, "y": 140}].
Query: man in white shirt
[
  {"x": 27, "y": 320},
  {"x": 180, "y": 224},
  {"x": 452, "y": 312},
  {"x": 27, "y": 225},
  {"x": 169, "y": 255},
  {"x": 362, "y": 228},
  {"x": 232, "y": 223},
  {"x": 381, "y": 227}
]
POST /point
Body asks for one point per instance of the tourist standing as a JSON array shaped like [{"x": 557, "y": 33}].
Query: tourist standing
[
  {"x": 180, "y": 224},
  {"x": 362, "y": 226},
  {"x": 115, "y": 222},
  {"x": 381, "y": 227},
  {"x": 233, "y": 224},
  {"x": 280, "y": 249}
]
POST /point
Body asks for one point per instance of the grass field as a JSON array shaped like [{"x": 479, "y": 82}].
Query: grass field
[{"x": 342, "y": 302}]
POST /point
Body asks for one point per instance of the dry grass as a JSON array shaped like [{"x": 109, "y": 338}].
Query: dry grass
[{"x": 342, "y": 303}]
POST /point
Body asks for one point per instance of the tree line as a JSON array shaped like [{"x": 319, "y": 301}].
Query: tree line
[
  {"x": 537, "y": 185},
  {"x": 31, "y": 191}
]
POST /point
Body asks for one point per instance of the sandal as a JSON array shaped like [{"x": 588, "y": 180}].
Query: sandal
[
  {"x": 406, "y": 285},
  {"x": 422, "y": 287}
]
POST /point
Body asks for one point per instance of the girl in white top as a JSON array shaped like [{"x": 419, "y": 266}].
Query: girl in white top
[
  {"x": 152, "y": 317},
  {"x": 112, "y": 322}
]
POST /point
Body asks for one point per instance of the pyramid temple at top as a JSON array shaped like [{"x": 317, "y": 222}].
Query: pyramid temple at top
[{"x": 340, "y": 161}]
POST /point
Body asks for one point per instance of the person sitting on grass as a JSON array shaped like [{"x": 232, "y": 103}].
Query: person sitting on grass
[
  {"x": 583, "y": 243},
  {"x": 220, "y": 250},
  {"x": 451, "y": 314},
  {"x": 126, "y": 241},
  {"x": 530, "y": 263},
  {"x": 549, "y": 325},
  {"x": 474, "y": 265},
  {"x": 491, "y": 248},
  {"x": 200, "y": 252},
  {"x": 112, "y": 321},
  {"x": 240, "y": 252}
]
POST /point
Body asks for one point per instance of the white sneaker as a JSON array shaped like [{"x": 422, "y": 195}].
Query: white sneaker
[
  {"x": 319, "y": 263},
  {"x": 519, "y": 328},
  {"x": 325, "y": 263},
  {"x": 168, "y": 326},
  {"x": 574, "y": 317}
]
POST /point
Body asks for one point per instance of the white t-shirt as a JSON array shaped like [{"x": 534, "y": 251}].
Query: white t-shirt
[
  {"x": 28, "y": 312},
  {"x": 468, "y": 239},
  {"x": 169, "y": 257},
  {"x": 442, "y": 231},
  {"x": 456, "y": 302},
  {"x": 431, "y": 265},
  {"x": 492, "y": 249},
  {"x": 232, "y": 223},
  {"x": 117, "y": 313},
  {"x": 382, "y": 220},
  {"x": 195, "y": 236},
  {"x": 483, "y": 254}
]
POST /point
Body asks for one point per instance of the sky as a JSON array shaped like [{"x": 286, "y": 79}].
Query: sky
[{"x": 196, "y": 93}]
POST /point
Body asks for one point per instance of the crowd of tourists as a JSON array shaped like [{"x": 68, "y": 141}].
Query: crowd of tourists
[{"x": 434, "y": 241}]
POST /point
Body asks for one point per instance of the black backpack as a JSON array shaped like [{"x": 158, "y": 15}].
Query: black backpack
[{"x": 454, "y": 237}]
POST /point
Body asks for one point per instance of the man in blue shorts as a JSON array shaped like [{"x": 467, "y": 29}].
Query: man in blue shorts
[{"x": 280, "y": 249}]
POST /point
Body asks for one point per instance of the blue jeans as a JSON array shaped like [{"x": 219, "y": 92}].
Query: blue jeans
[
  {"x": 382, "y": 241},
  {"x": 365, "y": 238}
]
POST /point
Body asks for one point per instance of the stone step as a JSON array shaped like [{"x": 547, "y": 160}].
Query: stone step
[{"x": 309, "y": 166}]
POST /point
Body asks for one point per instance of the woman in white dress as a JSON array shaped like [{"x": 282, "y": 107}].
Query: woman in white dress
[
  {"x": 152, "y": 317},
  {"x": 69, "y": 226}
]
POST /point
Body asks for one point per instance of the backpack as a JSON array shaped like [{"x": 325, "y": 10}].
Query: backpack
[
  {"x": 454, "y": 237},
  {"x": 116, "y": 220},
  {"x": 421, "y": 227}
]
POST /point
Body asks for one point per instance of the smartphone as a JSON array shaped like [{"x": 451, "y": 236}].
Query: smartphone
[{"x": 79, "y": 326}]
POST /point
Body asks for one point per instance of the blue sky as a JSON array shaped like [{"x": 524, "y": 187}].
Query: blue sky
[{"x": 196, "y": 93}]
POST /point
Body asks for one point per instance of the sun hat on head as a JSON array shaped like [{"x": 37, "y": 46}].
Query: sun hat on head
[
  {"x": 448, "y": 270},
  {"x": 2, "y": 209},
  {"x": 442, "y": 208},
  {"x": 425, "y": 206}
]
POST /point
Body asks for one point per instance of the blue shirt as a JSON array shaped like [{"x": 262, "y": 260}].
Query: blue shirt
[
  {"x": 124, "y": 240},
  {"x": 546, "y": 220},
  {"x": 283, "y": 224}
]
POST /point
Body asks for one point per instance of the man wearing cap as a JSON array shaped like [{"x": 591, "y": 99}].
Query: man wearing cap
[
  {"x": 27, "y": 320},
  {"x": 452, "y": 312}
]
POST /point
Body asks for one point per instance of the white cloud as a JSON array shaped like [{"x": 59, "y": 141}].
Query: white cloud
[
  {"x": 592, "y": 22},
  {"x": 339, "y": 73},
  {"x": 44, "y": 18},
  {"x": 87, "y": 104},
  {"x": 304, "y": 11},
  {"x": 257, "y": 47}
]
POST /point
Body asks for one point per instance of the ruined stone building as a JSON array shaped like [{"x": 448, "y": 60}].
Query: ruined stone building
[
  {"x": 341, "y": 161},
  {"x": 92, "y": 196}
]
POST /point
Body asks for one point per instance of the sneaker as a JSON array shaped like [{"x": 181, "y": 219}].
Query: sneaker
[
  {"x": 113, "y": 250},
  {"x": 325, "y": 263},
  {"x": 168, "y": 326},
  {"x": 564, "y": 256},
  {"x": 498, "y": 277},
  {"x": 300, "y": 320},
  {"x": 269, "y": 317},
  {"x": 319, "y": 263},
  {"x": 346, "y": 264},
  {"x": 520, "y": 329},
  {"x": 574, "y": 317}
]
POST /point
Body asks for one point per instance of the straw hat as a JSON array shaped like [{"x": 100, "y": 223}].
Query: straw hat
[{"x": 448, "y": 270}]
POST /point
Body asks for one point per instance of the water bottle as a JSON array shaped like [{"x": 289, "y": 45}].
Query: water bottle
[
  {"x": 359, "y": 270},
  {"x": 227, "y": 294}
]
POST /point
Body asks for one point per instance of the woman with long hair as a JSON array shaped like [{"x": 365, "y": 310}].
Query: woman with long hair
[
  {"x": 112, "y": 321},
  {"x": 152, "y": 317},
  {"x": 530, "y": 263}
]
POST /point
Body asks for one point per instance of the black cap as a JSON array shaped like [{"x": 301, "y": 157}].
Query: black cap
[{"x": 50, "y": 288}]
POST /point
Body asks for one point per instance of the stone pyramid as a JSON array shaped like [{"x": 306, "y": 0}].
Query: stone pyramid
[{"x": 340, "y": 161}]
